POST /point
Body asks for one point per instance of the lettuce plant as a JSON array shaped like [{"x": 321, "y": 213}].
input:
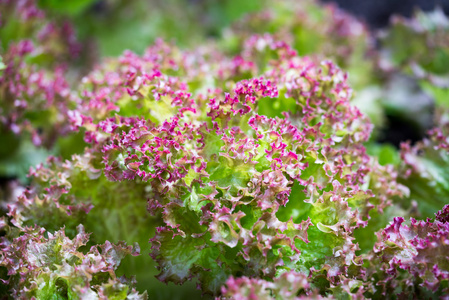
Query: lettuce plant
[
  {"x": 415, "y": 51},
  {"x": 35, "y": 93},
  {"x": 43, "y": 266},
  {"x": 426, "y": 52},
  {"x": 412, "y": 259},
  {"x": 241, "y": 187},
  {"x": 423, "y": 169}
]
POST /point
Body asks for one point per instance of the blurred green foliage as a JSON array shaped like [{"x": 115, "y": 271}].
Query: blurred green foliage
[
  {"x": 69, "y": 7},
  {"x": 118, "y": 25}
]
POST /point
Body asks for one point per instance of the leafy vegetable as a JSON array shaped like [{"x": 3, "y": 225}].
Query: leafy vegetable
[{"x": 244, "y": 165}]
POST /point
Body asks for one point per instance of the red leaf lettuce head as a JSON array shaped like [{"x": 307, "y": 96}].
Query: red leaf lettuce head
[
  {"x": 41, "y": 264},
  {"x": 412, "y": 259}
]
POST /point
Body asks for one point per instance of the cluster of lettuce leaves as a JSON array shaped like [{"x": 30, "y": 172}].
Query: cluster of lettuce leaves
[{"x": 245, "y": 165}]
